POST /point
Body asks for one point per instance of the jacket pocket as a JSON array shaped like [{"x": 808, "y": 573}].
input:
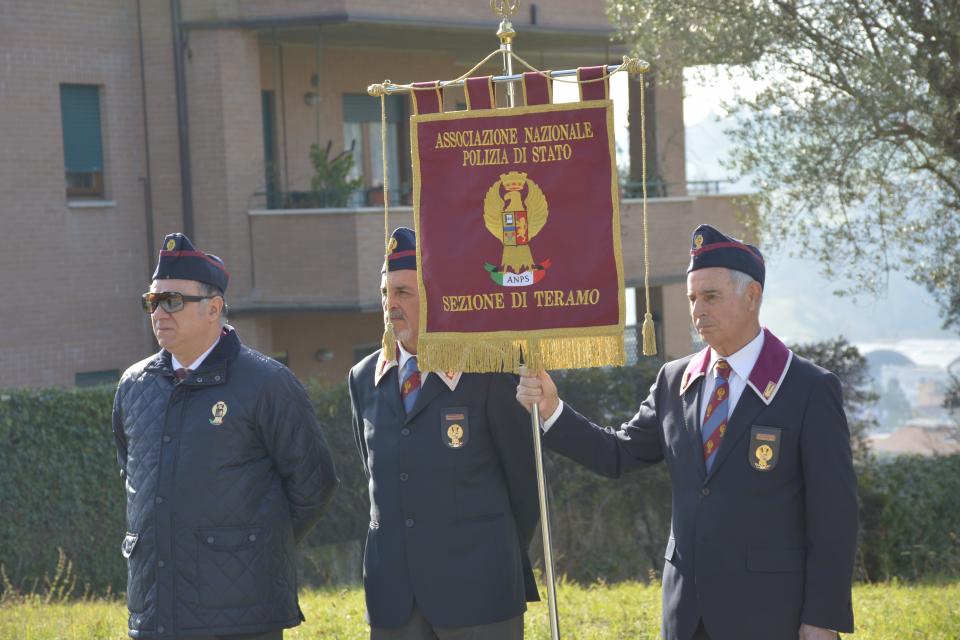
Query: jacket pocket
[
  {"x": 229, "y": 566},
  {"x": 135, "y": 577},
  {"x": 775, "y": 560}
]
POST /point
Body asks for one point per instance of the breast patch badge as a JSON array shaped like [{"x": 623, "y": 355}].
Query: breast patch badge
[
  {"x": 219, "y": 410},
  {"x": 454, "y": 427},
  {"x": 764, "y": 450}
]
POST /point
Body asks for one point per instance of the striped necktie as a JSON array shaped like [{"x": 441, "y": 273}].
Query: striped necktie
[
  {"x": 715, "y": 418},
  {"x": 410, "y": 385}
]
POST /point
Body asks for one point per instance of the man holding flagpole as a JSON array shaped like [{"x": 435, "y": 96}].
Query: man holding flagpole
[
  {"x": 764, "y": 522},
  {"x": 453, "y": 493}
]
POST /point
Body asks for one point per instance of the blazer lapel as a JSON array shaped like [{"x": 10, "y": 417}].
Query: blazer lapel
[
  {"x": 389, "y": 388},
  {"x": 690, "y": 420},
  {"x": 431, "y": 388},
  {"x": 748, "y": 408}
]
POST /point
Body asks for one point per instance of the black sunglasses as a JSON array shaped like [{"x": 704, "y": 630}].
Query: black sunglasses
[{"x": 169, "y": 301}]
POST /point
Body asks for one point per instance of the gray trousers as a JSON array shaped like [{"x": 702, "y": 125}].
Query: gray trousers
[{"x": 417, "y": 628}]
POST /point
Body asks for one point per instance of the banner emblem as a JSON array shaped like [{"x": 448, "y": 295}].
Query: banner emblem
[{"x": 514, "y": 216}]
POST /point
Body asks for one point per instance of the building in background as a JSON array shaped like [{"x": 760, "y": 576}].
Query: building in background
[
  {"x": 124, "y": 120},
  {"x": 912, "y": 378}
]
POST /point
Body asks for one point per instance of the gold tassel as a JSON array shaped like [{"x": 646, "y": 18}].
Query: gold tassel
[
  {"x": 389, "y": 343},
  {"x": 649, "y": 336},
  {"x": 479, "y": 354}
]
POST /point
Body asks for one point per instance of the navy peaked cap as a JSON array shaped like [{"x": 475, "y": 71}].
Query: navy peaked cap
[
  {"x": 711, "y": 248},
  {"x": 180, "y": 260},
  {"x": 401, "y": 251}
]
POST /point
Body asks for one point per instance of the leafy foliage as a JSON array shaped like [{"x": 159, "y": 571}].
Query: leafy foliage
[
  {"x": 60, "y": 490},
  {"x": 854, "y": 139},
  {"x": 843, "y": 359},
  {"x": 332, "y": 185}
]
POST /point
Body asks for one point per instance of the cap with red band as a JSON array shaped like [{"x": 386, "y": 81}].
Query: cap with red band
[
  {"x": 180, "y": 260},
  {"x": 402, "y": 251},
  {"x": 711, "y": 248}
]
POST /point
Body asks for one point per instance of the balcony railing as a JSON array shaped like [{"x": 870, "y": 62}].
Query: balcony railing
[
  {"x": 660, "y": 189},
  {"x": 276, "y": 199}
]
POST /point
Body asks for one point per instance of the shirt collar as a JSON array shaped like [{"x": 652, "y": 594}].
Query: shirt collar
[
  {"x": 743, "y": 360},
  {"x": 404, "y": 356},
  {"x": 176, "y": 364},
  {"x": 765, "y": 368},
  {"x": 449, "y": 378}
]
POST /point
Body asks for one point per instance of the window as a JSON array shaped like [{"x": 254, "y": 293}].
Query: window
[
  {"x": 361, "y": 134},
  {"x": 96, "y": 378},
  {"x": 82, "y": 142}
]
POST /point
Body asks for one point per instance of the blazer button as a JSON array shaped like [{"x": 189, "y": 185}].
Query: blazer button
[
  {"x": 253, "y": 537},
  {"x": 161, "y": 564},
  {"x": 159, "y": 499},
  {"x": 409, "y": 523},
  {"x": 705, "y": 491},
  {"x": 403, "y": 477},
  {"x": 210, "y": 540},
  {"x": 404, "y": 431},
  {"x": 166, "y": 438},
  {"x": 161, "y": 629}
]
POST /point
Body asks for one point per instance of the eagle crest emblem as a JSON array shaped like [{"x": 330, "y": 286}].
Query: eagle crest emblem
[{"x": 515, "y": 210}]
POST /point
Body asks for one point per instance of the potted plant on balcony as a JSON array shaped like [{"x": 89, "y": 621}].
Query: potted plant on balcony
[{"x": 331, "y": 184}]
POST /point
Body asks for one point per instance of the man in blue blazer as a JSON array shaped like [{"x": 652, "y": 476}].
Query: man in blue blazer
[
  {"x": 764, "y": 522},
  {"x": 453, "y": 490}
]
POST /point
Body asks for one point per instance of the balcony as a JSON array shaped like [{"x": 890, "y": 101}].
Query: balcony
[{"x": 329, "y": 259}]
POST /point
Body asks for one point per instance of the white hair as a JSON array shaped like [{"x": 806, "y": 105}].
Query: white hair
[{"x": 741, "y": 281}]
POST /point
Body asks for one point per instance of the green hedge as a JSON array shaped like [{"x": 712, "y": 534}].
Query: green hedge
[{"x": 60, "y": 488}]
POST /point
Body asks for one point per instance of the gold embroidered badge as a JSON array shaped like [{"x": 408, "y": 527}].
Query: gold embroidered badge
[{"x": 218, "y": 410}]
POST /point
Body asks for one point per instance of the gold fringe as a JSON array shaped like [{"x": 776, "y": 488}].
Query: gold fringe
[
  {"x": 462, "y": 353},
  {"x": 389, "y": 343},
  {"x": 649, "y": 336}
]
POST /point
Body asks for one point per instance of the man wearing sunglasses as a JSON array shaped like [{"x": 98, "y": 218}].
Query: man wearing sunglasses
[{"x": 224, "y": 463}]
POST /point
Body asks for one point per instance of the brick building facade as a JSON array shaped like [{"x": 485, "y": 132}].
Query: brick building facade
[{"x": 199, "y": 116}]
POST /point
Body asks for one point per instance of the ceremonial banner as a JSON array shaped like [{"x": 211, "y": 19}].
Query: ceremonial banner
[{"x": 518, "y": 238}]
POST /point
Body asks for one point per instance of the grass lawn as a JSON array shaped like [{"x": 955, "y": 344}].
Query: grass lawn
[{"x": 627, "y": 610}]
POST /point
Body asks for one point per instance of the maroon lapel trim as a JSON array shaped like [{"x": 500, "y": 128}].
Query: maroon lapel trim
[
  {"x": 695, "y": 368},
  {"x": 771, "y": 367}
]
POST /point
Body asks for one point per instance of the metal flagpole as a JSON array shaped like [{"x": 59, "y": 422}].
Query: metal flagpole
[
  {"x": 389, "y": 88},
  {"x": 504, "y": 9}
]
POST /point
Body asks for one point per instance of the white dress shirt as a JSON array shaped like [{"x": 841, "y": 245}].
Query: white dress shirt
[
  {"x": 405, "y": 355},
  {"x": 741, "y": 364},
  {"x": 196, "y": 363}
]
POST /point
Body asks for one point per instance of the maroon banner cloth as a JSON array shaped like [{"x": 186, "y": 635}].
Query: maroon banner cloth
[
  {"x": 517, "y": 219},
  {"x": 537, "y": 88},
  {"x": 426, "y": 100},
  {"x": 598, "y": 90},
  {"x": 479, "y": 93}
]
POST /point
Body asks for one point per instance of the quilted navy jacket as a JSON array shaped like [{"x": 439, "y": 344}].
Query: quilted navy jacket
[{"x": 224, "y": 471}]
